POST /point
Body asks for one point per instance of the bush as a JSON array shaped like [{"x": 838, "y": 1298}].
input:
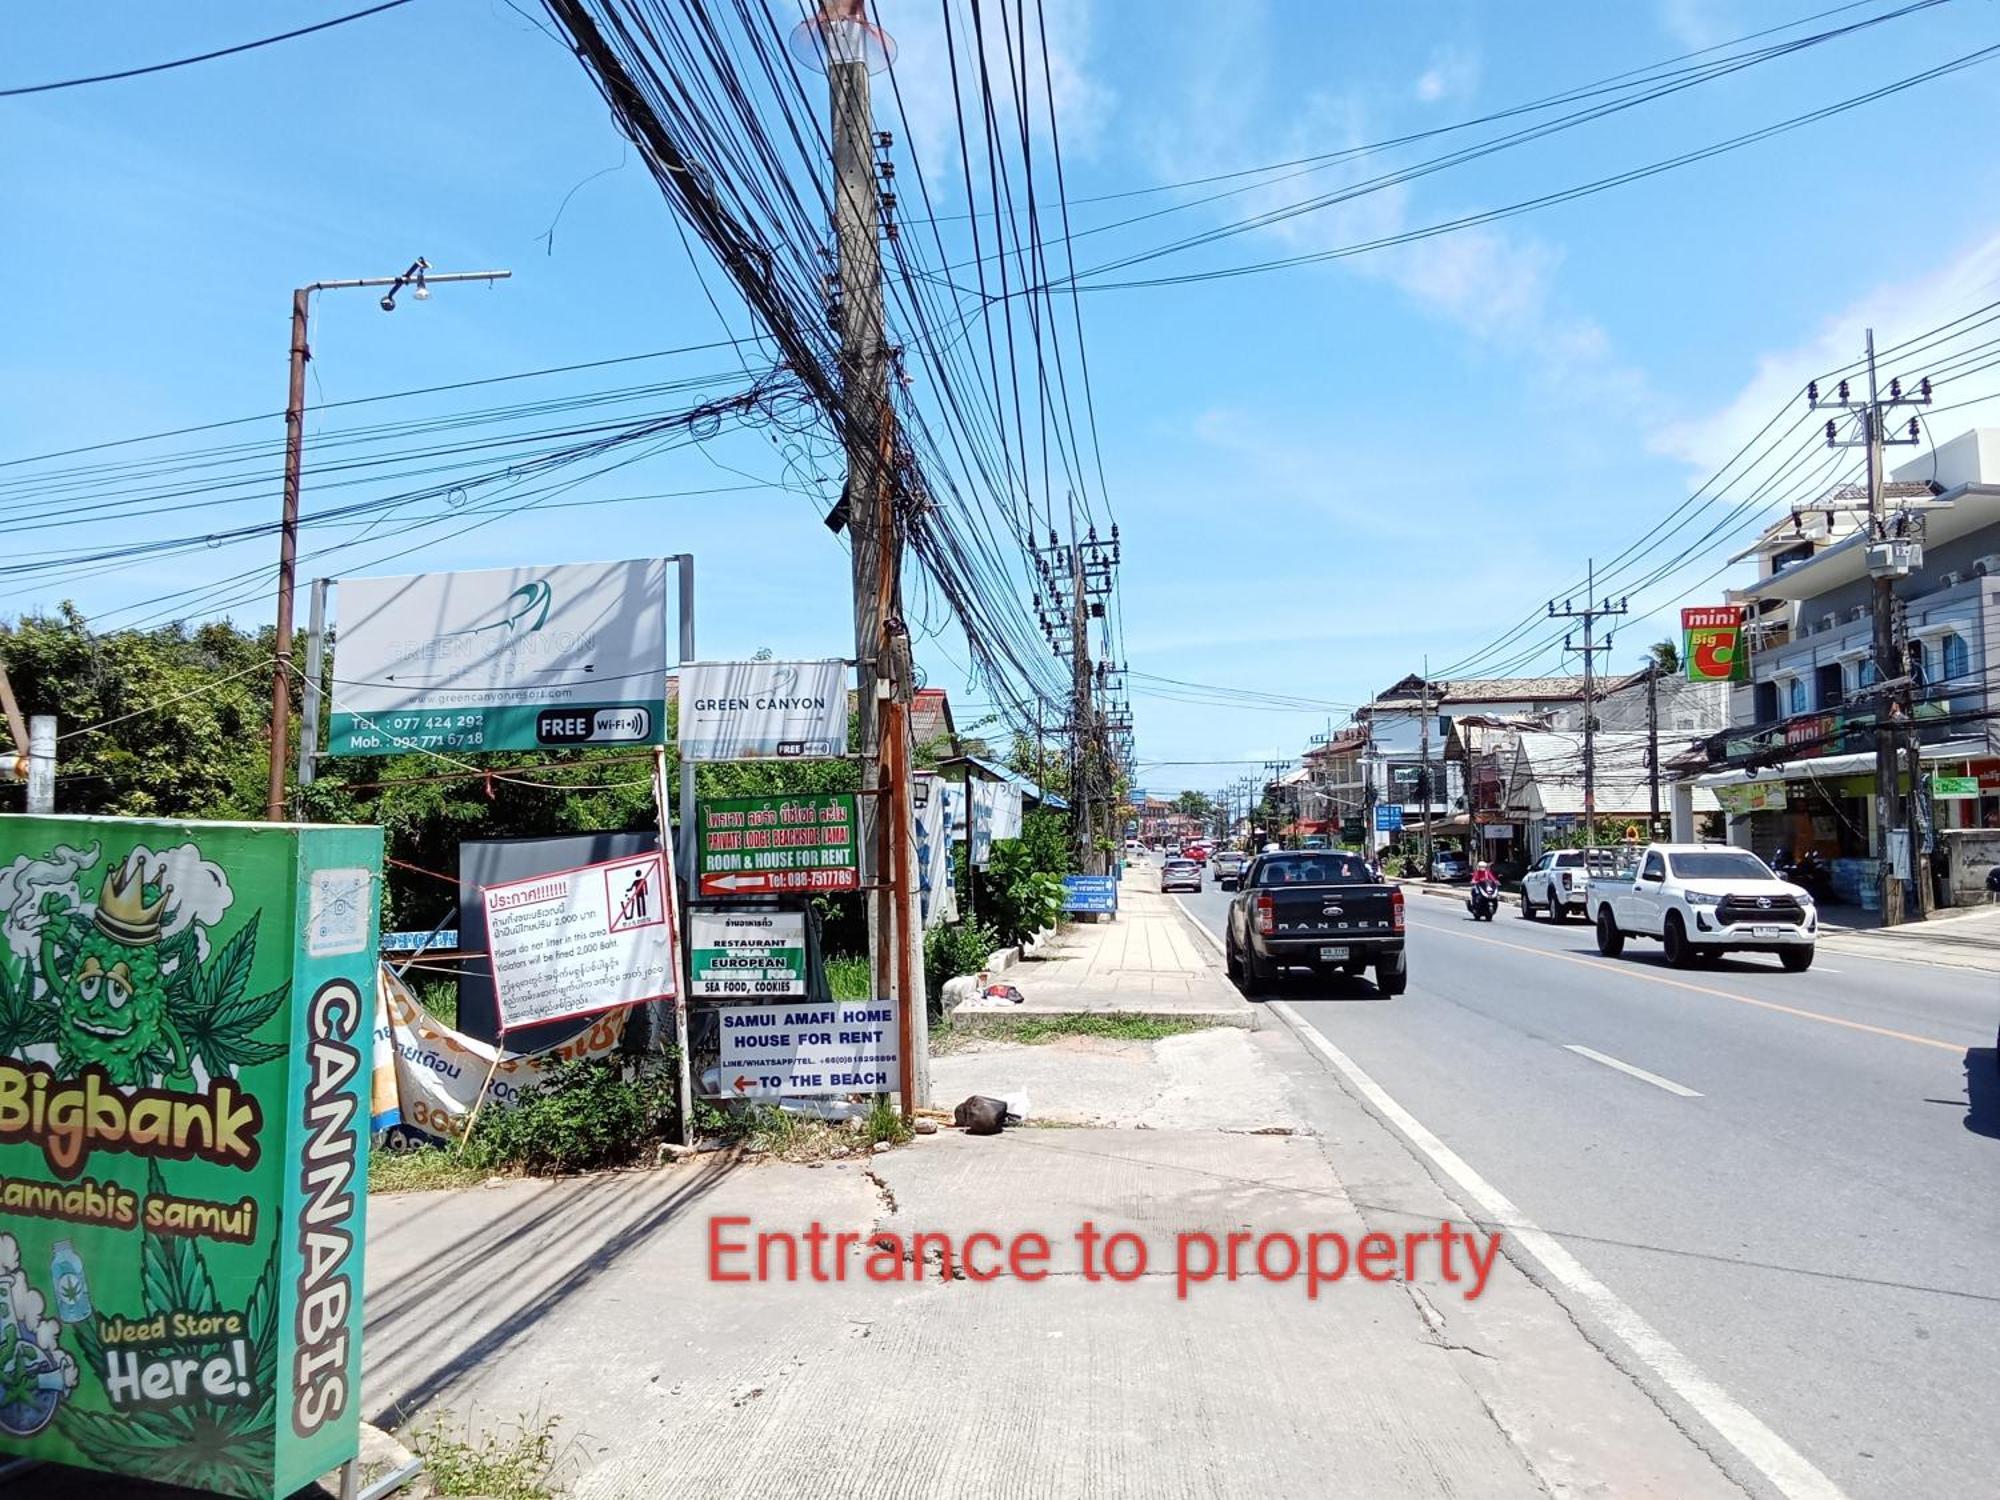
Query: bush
[
  {"x": 581, "y": 1116},
  {"x": 950, "y": 951},
  {"x": 1022, "y": 897}
]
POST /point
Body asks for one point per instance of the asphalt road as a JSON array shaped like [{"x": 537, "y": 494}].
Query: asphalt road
[{"x": 1817, "y": 1227}]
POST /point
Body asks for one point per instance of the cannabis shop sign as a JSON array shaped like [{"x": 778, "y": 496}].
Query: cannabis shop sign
[{"x": 183, "y": 1146}]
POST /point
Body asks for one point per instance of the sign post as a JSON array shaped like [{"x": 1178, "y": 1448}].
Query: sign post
[{"x": 184, "y": 1109}]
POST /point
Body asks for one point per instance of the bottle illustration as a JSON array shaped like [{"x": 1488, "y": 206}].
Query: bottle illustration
[{"x": 72, "y": 1289}]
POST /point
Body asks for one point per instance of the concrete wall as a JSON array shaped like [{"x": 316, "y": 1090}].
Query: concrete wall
[{"x": 1974, "y": 851}]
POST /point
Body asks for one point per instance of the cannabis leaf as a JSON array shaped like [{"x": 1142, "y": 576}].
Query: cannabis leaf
[
  {"x": 217, "y": 1020},
  {"x": 24, "y": 1022}
]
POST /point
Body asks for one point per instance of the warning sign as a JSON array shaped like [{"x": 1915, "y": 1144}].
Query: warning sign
[
  {"x": 798, "y": 1051},
  {"x": 578, "y": 941}
]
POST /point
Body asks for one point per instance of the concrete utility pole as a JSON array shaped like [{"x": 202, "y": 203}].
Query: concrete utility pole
[
  {"x": 422, "y": 279},
  {"x": 1888, "y": 559},
  {"x": 1080, "y": 714},
  {"x": 1424, "y": 776},
  {"x": 1653, "y": 749},
  {"x": 1590, "y": 614}
]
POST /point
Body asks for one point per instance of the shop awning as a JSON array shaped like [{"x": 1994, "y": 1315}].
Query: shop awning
[{"x": 1816, "y": 768}]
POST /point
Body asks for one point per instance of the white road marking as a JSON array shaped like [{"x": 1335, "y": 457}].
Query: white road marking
[
  {"x": 1789, "y": 1471},
  {"x": 1639, "y": 1073}
]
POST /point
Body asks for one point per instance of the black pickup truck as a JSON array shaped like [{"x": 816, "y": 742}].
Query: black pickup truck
[{"x": 1318, "y": 910}]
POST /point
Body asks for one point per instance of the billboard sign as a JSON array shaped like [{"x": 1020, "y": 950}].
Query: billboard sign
[
  {"x": 1712, "y": 644},
  {"x": 501, "y": 659},
  {"x": 741, "y": 954},
  {"x": 776, "y": 846},
  {"x": 186, "y": 1019},
  {"x": 804, "y": 1051},
  {"x": 575, "y": 942},
  {"x": 1388, "y": 817},
  {"x": 763, "y": 710}
]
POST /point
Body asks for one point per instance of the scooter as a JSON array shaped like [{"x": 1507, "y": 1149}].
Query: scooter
[{"x": 1483, "y": 901}]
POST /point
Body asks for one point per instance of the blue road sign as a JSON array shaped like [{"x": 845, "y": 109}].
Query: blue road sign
[
  {"x": 1090, "y": 893},
  {"x": 1388, "y": 817}
]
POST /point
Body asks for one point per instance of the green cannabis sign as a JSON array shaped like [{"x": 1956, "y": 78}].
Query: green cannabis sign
[{"x": 183, "y": 1146}]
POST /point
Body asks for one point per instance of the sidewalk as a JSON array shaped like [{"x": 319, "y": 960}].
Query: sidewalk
[
  {"x": 1147, "y": 962},
  {"x": 592, "y": 1301}
]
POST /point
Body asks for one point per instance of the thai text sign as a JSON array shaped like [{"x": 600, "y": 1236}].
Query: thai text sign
[
  {"x": 185, "y": 1012},
  {"x": 746, "y": 953},
  {"x": 801, "y": 1051},
  {"x": 1712, "y": 647},
  {"x": 749, "y": 846},
  {"x": 758, "y": 710},
  {"x": 502, "y": 659},
  {"x": 579, "y": 941}
]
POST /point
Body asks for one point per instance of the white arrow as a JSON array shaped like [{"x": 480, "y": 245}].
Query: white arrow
[{"x": 736, "y": 882}]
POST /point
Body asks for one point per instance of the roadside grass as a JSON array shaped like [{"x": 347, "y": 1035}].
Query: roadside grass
[
  {"x": 515, "y": 1463},
  {"x": 1038, "y": 1029},
  {"x": 431, "y": 1167},
  {"x": 788, "y": 1136},
  {"x": 848, "y": 978}
]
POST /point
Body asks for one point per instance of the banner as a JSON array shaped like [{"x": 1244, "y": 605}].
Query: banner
[
  {"x": 579, "y": 941},
  {"x": 185, "y": 1010},
  {"x": 1712, "y": 644},
  {"x": 501, "y": 659},
  {"x": 927, "y": 809},
  {"x": 994, "y": 813},
  {"x": 1757, "y": 796},
  {"x": 435, "y": 1071},
  {"x": 737, "y": 954},
  {"x": 760, "y": 710}
]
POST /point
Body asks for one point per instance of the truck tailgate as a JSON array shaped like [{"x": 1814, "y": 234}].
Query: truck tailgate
[{"x": 1332, "y": 911}]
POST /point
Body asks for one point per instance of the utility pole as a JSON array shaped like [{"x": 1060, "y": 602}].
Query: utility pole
[
  {"x": 1424, "y": 775},
  {"x": 422, "y": 278},
  {"x": 1079, "y": 578},
  {"x": 1081, "y": 778},
  {"x": 1593, "y": 610},
  {"x": 1653, "y": 749},
  {"x": 1889, "y": 558}
]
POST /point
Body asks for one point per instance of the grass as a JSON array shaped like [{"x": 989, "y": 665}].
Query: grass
[
  {"x": 849, "y": 978},
  {"x": 511, "y": 1464},
  {"x": 420, "y": 1171},
  {"x": 1035, "y": 1029}
]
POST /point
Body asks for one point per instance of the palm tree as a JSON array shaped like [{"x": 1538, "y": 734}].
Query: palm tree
[{"x": 1664, "y": 656}]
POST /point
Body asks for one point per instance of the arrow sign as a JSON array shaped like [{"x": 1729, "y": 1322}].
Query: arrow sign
[
  {"x": 735, "y": 882},
  {"x": 743, "y": 1085}
]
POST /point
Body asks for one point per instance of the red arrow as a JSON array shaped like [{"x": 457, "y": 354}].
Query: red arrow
[{"x": 743, "y": 1084}]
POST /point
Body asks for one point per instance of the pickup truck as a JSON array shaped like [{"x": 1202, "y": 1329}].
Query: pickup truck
[
  {"x": 1556, "y": 883},
  {"x": 1301, "y": 909},
  {"x": 1701, "y": 901},
  {"x": 1227, "y": 866}
]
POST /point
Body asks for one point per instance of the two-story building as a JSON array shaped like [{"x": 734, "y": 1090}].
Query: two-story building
[{"x": 1796, "y": 767}]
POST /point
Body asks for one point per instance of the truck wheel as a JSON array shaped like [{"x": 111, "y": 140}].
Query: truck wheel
[
  {"x": 1231, "y": 959},
  {"x": 1795, "y": 960},
  {"x": 1680, "y": 952},
  {"x": 1527, "y": 906},
  {"x": 1610, "y": 941},
  {"x": 1392, "y": 975}
]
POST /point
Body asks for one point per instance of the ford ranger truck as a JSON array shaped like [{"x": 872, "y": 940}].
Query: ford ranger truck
[{"x": 1317, "y": 910}]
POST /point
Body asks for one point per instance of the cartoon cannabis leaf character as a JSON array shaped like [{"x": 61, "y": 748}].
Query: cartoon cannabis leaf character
[
  {"x": 141, "y": 1006},
  {"x": 205, "y": 1442}
]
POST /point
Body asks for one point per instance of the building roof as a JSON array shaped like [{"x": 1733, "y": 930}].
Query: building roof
[
  {"x": 992, "y": 770},
  {"x": 1444, "y": 693}
]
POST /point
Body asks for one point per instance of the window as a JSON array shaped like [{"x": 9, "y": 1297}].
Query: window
[
  {"x": 1831, "y": 689},
  {"x": 1765, "y": 695},
  {"x": 1721, "y": 864},
  {"x": 1656, "y": 868},
  {"x": 1919, "y": 668},
  {"x": 1956, "y": 657},
  {"x": 1798, "y": 696},
  {"x": 1869, "y": 674}
]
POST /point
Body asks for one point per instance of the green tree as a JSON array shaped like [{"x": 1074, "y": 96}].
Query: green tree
[
  {"x": 1194, "y": 804},
  {"x": 1665, "y": 656}
]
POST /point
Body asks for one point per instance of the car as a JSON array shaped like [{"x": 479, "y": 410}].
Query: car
[
  {"x": 1196, "y": 852},
  {"x": 1180, "y": 875},
  {"x": 1557, "y": 884},
  {"x": 1702, "y": 901},
  {"x": 1316, "y": 910},
  {"x": 1449, "y": 865},
  {"x": 1228, "y": 866},
  {"x": 1313, "y": 841}
]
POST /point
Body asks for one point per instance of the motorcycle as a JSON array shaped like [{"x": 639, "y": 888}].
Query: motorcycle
[{"x": 1483, "y": 901}]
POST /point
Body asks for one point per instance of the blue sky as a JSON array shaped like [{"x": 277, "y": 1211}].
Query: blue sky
[{"x": 1322, "y": 474}]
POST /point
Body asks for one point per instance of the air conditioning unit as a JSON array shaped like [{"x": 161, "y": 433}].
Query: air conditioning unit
[{"x": 1859, "y": 612}]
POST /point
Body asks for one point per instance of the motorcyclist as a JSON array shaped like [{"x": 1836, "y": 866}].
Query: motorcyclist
[{"x": 1485, "y": 888}]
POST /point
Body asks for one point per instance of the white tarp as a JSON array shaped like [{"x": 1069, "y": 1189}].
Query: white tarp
[
  {"x": 761, "y": 710},
  {"x": 927, "y": 806},
  {"x": 427, "y": 1075},
  {"x": 995, "y": 814},
  {"x": 577, "y": 941}
]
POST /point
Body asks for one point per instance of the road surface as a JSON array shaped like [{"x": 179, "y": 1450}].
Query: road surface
[{"x": 1794, "y": 1178}]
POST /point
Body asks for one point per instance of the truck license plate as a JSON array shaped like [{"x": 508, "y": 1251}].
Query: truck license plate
[
  {"x": 1766, "y": 931},
  {"x": 1333, "y": 955}
]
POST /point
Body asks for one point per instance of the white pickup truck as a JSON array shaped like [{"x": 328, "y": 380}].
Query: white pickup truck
[
  {"x": 1701, "y": 901},
  {"x": 1555, "y": 884}
]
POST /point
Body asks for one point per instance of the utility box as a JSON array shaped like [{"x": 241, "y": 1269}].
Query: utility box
[{"x": 186, "y": 1015}]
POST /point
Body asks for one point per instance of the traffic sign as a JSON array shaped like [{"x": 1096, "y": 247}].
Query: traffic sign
[
  {"x": 776, "y": 846},
  {"x": 1388, "y": 817},
  {"x": 1090, "y": 893}
]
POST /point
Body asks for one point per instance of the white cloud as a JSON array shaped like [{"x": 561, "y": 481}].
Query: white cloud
[
  {"x": 1697, "y": 24},
  {"x": 1453, "y": 74},
  {"x": 1898, "y": 312}
]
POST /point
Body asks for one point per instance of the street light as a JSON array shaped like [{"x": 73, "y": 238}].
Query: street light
[{"x": 421, "y": 277}]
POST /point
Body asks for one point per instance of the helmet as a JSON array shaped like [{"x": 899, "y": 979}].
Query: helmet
[{"x": 1480, "y": 866}]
